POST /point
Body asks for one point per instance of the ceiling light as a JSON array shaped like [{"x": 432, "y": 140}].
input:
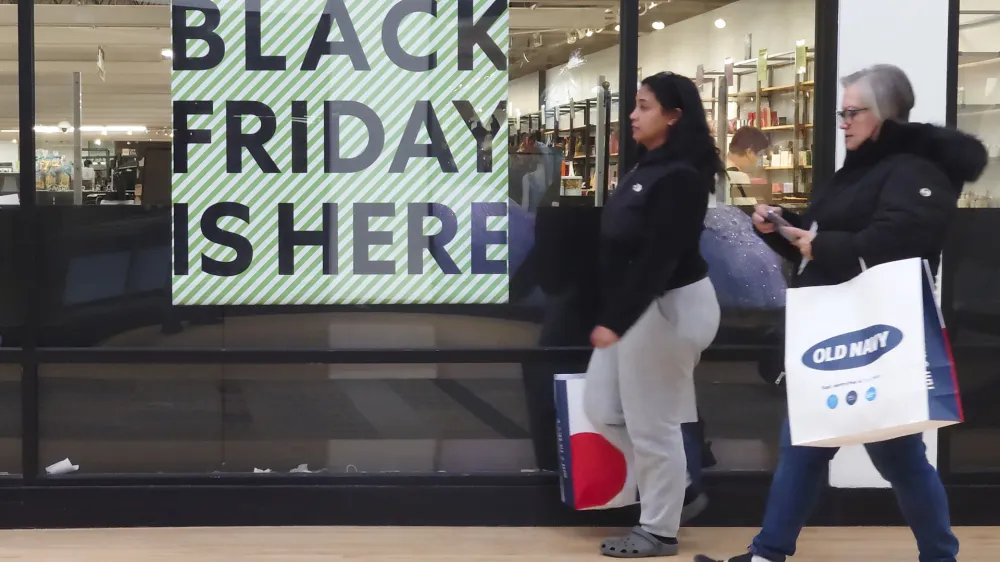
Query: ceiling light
[
  {"x": 167, "y": 53},
  {"x": 720, "y": 23},
  {"x": 129, "y": 129},
  {"x": 618, "y": 27},
  {"x": 590, "y": 33},
  {"x": 97, "y": 142},
  {"x": 658, "y": 25}
]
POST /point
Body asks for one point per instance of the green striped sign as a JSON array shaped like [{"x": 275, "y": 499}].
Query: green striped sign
[{"x": 339, "y": 151}]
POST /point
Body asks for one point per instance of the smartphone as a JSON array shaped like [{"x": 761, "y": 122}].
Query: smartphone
[
  {"x": 779, "y": 222},
  {"x": 776, "y": 219}
]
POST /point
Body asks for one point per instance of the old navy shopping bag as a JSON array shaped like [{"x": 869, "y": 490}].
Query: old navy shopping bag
[
  {"x": 861, "y": 359},
  {"x": 593, "y": 473}
]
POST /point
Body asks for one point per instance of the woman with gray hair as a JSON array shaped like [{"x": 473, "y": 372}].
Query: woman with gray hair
[{"x": 893, "y": 199}]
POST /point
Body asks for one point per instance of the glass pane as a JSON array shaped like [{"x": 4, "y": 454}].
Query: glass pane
[
  {"x": 10, "y": 420},
  {"x": 11, "y": 256},
  {"x": 973, "y": 255},
  {"x": 11, "y": 271},
  {"x": 332, "y": 418},
  {"x": 10, "y": 158},
  {"x": 102, "y": 102},
  {"x": 342, "y": 418},
  {"x": 108, "y": 262}
]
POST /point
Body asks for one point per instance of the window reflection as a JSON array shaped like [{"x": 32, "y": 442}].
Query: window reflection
[{"x": 972, "y": 259}]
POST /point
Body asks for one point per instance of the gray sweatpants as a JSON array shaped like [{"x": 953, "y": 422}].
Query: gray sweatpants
[{"x": 640, "y": 390}]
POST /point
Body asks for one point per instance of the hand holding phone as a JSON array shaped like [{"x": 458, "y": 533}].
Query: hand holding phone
[
  {"x": 760, "y": 218},
  {"x": 775, "y": 219}
]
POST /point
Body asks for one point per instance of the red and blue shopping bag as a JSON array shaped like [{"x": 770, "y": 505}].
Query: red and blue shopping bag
[{"x": 593, "y": 473}]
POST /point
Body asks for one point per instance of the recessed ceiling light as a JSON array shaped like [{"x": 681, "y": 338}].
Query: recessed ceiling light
[
  {"x": 590, "y": 33},
  {"x": 167, "y": 53},
  {"x": 618, "y": 27},
  {"x": 720, "y": 23},
  {"x": 658, "y": 25}
]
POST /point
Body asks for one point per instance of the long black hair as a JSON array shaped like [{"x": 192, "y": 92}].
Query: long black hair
[{"x": 689, "y": 137}]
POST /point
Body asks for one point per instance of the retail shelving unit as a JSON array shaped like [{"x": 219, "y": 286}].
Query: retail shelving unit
[
  {"x": 776, "y": 81},
  {"x": 572, "y": 126}
]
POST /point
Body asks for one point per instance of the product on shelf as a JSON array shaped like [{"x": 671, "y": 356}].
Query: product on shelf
[{"x": 52, "y": 170}]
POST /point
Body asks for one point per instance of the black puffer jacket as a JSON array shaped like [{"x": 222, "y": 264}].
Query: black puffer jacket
[{"x": 893, "y": 199}]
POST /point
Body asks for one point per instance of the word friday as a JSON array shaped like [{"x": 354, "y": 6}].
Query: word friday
[{"x": 424, "y": 116}]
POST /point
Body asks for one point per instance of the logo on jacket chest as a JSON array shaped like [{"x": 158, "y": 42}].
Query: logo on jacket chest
[
  {"x": 853, "y": 349},
  {"x": 637, "y": 187}
]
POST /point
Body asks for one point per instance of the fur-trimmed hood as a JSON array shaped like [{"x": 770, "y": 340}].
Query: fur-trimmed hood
[{"x": 962, "y": 157}]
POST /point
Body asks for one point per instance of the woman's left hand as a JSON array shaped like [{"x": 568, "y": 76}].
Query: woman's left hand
[
  {"x": 803, "y": 240},
  {"x": 602, "y": 337}
]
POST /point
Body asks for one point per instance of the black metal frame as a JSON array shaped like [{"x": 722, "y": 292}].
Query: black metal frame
[
  {"x": 504, "y": 499},
  {"x": 825, "y": 154},
  {"x": 947, "y": 285}
]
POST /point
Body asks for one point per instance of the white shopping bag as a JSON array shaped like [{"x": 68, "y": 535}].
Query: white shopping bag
[
  {"x": 593, "y": 473},
  {"x": 868, "y": 360}
]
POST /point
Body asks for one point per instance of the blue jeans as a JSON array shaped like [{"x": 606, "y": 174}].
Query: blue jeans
[{"x": 802, "y": 475}]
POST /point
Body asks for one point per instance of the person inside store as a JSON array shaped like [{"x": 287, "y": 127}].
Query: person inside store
[
  {"x": 744, "y": 150},
  {"x": 893, "y": 199},
  {"x": 744, "y": 175},
  {"x": 657, "y": 307},
  {"x": 87, "y": 174},
  {"x": 538, "y": 174}
]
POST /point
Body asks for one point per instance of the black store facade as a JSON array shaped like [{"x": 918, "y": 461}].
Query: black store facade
[{"x": 375, "y": 414}]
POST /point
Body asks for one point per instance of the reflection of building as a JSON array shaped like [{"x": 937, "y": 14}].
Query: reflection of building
[{"x": 452, "y": 395}]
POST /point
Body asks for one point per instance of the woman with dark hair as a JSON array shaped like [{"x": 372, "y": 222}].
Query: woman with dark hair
[{"x": 658, "y": 309}]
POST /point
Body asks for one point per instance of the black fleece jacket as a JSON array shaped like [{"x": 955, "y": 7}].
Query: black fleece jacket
[
  {"x": 893, "y": 199},
  {"x": 650, "y": 232}
]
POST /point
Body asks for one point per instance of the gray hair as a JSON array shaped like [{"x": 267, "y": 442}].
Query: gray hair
[{"x": 887, "y": 90}]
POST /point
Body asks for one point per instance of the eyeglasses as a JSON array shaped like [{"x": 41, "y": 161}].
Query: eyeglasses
[{"x": 849, "y": 114}]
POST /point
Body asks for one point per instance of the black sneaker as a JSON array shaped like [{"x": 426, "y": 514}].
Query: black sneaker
[
  {"x": 707, "y": 458},
  {"x": 694, "y": 505},
  {"x": 741, "y": 558}
]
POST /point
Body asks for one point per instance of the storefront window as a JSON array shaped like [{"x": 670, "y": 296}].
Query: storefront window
[
  {"x": 972, "y": 261},
  {"x": 106, "y": 179},
  {"x": 124, "y": 157},
  {"x": 186, "y": 180}
]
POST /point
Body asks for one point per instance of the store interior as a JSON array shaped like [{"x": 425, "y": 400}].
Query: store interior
[
  {"x": 979, "y": 91},
  {"x": 121, "y": 50},
  {"x": 754, "y": 61}
]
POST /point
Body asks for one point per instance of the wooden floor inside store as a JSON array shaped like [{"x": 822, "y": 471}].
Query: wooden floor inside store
[{"x": 435, "y": 544}]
